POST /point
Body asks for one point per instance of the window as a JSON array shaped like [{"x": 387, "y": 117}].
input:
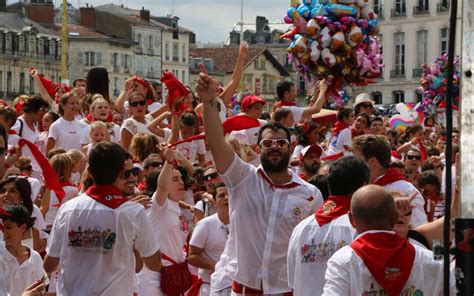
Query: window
[
  {"x": 262, "y": 64},
  {"x": 92, "y": 58},
  {"x": 423, "y": 5},
  {"x": 183, "y": 77},
  {"x": 139, "y": 40},
  {"x": 399, "y": 96},
  {"x": 400, "y": 53},
  {"x": 256, "y": 65},
  {"x": 114, "y": 59},
  {"x": 400, "y": 7},
  {"x": 378, "y": 7},
  {"x": 176, "y": 35},
  {"x": 150, "y": 42},
  {"x": 377, "y": 97},
  {"x": 175, "y": 52},
  {"x": 22, "y": 82},
  {"x": 9, "y": 81},
  {"x": 183, "y": 51},
  {"x": 422, "y": 47},
  {"x": 444, "y": 40},
  {"x": 167, "y": 51},
  {"x": 32, "y": 85}
]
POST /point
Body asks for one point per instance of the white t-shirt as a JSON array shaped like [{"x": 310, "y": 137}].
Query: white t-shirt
[
  {"x": 30, "y": 135},
  {"x": 92, "y": 239},
  {"x": 42, "y": 141},
  {"x": 263, "y": 217},
  {"x": 337, "y": 143},
  {"x": 152, "y": 107},
  {"x": 135, "y": 127},
  {"x": 3, "y": 288},
  {"x": 222, "y": 109},
  {"x": 310, "y": 248},
  {"x": 71, "y": 192},
  {"x": 190, "y": 150},
  {"x": 210, "y": 234},
  {"x": 39, "y": 222},
  {"x": 297, "y": 112},
  {"x": 348, "y": 275},
  {"x": 19, "y": 276},
  {"x": 35, "y": 187},
  {"x": 68, "y": 134}
]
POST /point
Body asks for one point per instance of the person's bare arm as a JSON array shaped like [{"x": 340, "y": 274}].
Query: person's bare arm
[
  {"x": 154, "y": 125},
  {"x": 41, "y": 89},
  {"x": 125, "y": 139},
  {"x": 123, "y": 96},
  {"x": 196, "y": 259},
  {"x": 230, "y": 88},
  {"x": 51, "y": 264},
  {"x": 50, "y": 144},
  {"x": 45, "y": 201},
  {"x": 153, "y": 262},
  {"x": 138, "y": 261},
  {"x": 320, "y": 94},
  {"x": 174, "y": 129},
  {"x": 222, "y": 152},
  {"x": 162, "y": 188}
]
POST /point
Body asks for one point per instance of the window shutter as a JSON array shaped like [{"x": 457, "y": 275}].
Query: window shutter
[{"x": 80, "y": 58}]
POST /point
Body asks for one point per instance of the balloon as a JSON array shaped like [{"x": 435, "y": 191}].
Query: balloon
[
  {"x": 300, "y": 46},
  {"x": 355, "y": 36},
  {"x": 368, "y": 13},
  {"x": 341, "y": 10},
  {"x": 312, "y": 28},
  {"x": 328, "y": 57},
  {"x": 304, "y": 11},
  {"x": 324, "y": 38},
  {"x": 315, "y": 52},
  {"x": 337, "y": 40}
]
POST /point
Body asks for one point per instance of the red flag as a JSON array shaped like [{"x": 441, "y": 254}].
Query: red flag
[{"x": 175, "y": 90}]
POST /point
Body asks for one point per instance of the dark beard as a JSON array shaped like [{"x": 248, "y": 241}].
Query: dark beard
[
  {"x": 312, "y": 169},
  {"x": 281, "y": 166}
]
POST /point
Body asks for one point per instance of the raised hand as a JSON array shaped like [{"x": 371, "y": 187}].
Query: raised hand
[{"x": 206, "y": 86}]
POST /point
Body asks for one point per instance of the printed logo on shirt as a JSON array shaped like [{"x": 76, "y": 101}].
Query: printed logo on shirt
[
  {"x": 96, "y": 238},
  {"x": 328, "y": 207},
  {"x": 297, "y": 213},
  {"x": 392, "y": 273},
  {"x": 183, "y": 223},
  {"x": 410, "y": 291},
  {"x": 319, "y": 253}
]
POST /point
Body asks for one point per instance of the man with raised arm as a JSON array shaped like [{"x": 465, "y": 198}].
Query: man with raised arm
[{"x": 265, "y": 203}]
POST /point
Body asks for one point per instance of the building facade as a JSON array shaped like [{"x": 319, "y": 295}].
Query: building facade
[
  {"x": 413, "y": 33},
  {"x": 25, "y": 44}
]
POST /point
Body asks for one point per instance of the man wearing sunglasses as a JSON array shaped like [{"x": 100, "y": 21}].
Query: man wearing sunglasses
[
  {"x": 265, "y": 203},
  {"x": 412, "y": 165}
]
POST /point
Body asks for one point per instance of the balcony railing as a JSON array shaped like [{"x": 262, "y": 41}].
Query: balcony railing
[
  {"x": 398, "y": 13},
  {"x": 417, "y": 10},
  {"x": 379, "y": 13},
  {"x": 442, "y": 7},
  {"x": 397, "y": 73},
  {"x": 417, "y": 72}
]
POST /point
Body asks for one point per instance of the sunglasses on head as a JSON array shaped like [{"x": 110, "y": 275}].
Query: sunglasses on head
[
  {"x": 365, "y": 105},
  {"x": 137, "y": 103},
  {"x": 413, "y": 157},
  {"x": 210, "y": 176},
  {"x": 133, "y": 172},
  {"x": 269, "y": 143}
]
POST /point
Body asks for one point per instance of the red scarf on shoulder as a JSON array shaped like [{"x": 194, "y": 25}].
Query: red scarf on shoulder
[
  {"x": 334, "y": 207},
  {"x": 388, "y": 257},
  {"x": 392, "y": 175},
  {"x": 338, "y": 127},
  {"x": 422, "y": 150},
  {"x": 281, "y": 104},
  {"x": 108, "y": 195}
]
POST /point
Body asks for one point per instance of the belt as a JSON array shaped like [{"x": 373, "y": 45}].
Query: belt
[{"x": 241, "y": 289}]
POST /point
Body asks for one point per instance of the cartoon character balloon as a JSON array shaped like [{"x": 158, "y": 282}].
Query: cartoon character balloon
[
  {"x": 409, "y": 115},
  {"x": 334, "y": 40}
]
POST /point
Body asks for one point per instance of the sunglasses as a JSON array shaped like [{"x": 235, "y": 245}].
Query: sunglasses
[
  {"x": 210, "y": 176},
  {"x": 280, "y": 143},
  {"x": 155, "y": 164},
  {"x": 413, "y": 157},
  {"x": 137, "y": 103},
  {"x": 133, "y": 172},
  {"x": 365, "y": 105}
]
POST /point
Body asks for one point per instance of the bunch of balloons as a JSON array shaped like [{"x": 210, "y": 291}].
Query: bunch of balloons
[
  {"x": 335, "y": 40},
  {"x": 434, "y": 80}
]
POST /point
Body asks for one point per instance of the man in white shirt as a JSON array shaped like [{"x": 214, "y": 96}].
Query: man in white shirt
[
  {"x": 208, "y": 242},
  {"x": 375, "y": 151},
  {"x": 266, "y": 203},
  {"x": 379, "y": 260},
  {"x": 319, "y": 236},
  {"x": 94, "y": 236}
]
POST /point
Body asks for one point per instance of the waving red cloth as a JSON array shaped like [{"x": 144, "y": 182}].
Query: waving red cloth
[
  {"x": 234, "y": 123},
  {"x": 49, "y": 174},
  {"x": 281, "y": 104},
  {"x": 334, "y": 207},
  {"x": 392, "y": 175},
  {"x": 395, "y": 154},
  {"x": 175, "y": 90},
  {"x": 338, "y": 127},
  {"x": 49, "y": 85},
  {"x": 108, "y": 195},
  {"x": 422, "y": 149},
  {"x": 388, "y": 257}
]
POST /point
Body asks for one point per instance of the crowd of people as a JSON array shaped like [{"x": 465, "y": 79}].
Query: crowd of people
[{"x": 149, "y": 196}]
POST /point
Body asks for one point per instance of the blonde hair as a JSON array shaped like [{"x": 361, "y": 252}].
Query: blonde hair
[
  {"x": 96, "y": 100},
  {"x": 143, "y": 145},
  {"x": 96, "y": 125},
  {"x": 76, "y": 156},
  {"x": 62, "y": 164}
]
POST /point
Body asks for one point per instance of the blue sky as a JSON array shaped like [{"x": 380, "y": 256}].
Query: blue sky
[{"x": 211, "y": 20}]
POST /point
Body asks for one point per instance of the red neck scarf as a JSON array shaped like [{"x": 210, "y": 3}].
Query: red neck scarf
[
  {"x": 66, "y": 183},
  {"x": 282, "y": 103},
  {"x": 11, "y": 132},
  {"x": 392, "y": 175},
  {"x": 422, "y": 150},
  {"x": 303, "y": 176},
  {"x": 49, "y": 174},
  {"x": 273, "y": 185},
  {"x": 108, "y": 195},
  {"x": 334, "y": 207},
  {"x": 110, "y": 118},
  {"x": 356, "y": 133},
  {"x": 338, "y": 127},
  {"x": 388, "y": 257}
]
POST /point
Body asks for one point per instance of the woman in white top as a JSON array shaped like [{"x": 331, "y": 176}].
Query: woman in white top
[
  {"x": 67, "y": 132},
  {"x": 138, "y": 122},
  {"x": 168, "y": 223},
  {"x": 22, "y": 265}
]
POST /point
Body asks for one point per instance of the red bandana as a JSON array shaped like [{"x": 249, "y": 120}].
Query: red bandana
[
  {"x": 338, "y": 127},
  {"x": 4, "y": 213},
  {"x": 273, "y": 185},
  {"x": 395, "y": 154},
  {"x": 110, "y": 118},
  {"x": 303, "y": 176},
  {"x": 67, "y": 183},
  {"x": 356, "y": 133},
  {"x": 281, "y": 104},
  {"x": 333, "y": 157},
  {"x": 108, "y": 195},
  {"x": 392, "y": 175},
  {"x": 175, "y": 90},
  {"x": 422, "y": 149},
  {"x": 334, "y": 207},
  {"x": 388, "y": 257},
  {"x": 11, "y": 132}
]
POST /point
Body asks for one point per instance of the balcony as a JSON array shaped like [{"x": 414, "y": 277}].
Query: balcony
[
  {"x": 398, "y": 13},
  {"x": 417, "y": 72},
  {"x": 442, "y": 7},
  {"x": 397, "y": 73},
  {"x": 419, "y": 10},
  {"x": 116, "y": 69}
]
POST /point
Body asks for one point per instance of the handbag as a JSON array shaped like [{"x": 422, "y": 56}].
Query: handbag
[{"x": 175, "y": 279}]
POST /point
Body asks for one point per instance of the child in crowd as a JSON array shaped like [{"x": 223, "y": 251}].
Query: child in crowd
[{"x": 97, "y": 133}]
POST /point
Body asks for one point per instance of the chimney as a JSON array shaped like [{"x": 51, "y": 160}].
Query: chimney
[
  {"x": 3, "y": 5},
  {"x": 88, "y": 16},
  {"x": 42, "y": 13},
  {"x": 261, "y": 23},
  {"x": 145, "y": 14}
]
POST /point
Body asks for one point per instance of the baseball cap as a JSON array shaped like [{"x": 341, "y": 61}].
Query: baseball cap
[
  {"x": 311, "y": 148},
  {"x": 248, "y": 101}
]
